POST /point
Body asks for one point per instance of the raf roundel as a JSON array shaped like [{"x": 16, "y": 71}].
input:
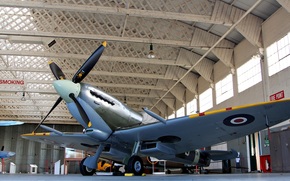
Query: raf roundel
[{"x": 239, "y": 120}]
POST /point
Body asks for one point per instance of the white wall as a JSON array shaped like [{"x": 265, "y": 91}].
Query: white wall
[
  {"x": 274, "y": 28},
  {"x": 242, "y": 53}
]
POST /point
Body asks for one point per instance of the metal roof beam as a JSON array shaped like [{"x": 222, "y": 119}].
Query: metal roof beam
[
  {"x": 115, "y": 11},
  {"x": 175, "y": 43},
  {"x": 80, "y": 56},
  {"x": 93, "y": 72},
  {"x": 53, "y": 92}
]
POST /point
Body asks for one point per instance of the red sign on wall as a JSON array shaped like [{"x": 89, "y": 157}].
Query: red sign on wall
[
  {"x": 11, "y": 82},
  {"x": 277, "y": 96}
]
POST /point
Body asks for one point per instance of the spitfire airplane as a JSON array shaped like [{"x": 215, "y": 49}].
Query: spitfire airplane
[
  {"x": 116, "y": 132},
  {"x": 6, "y": 154}
]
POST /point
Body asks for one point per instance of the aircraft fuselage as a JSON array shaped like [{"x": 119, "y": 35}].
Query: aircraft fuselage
[{"x": 115, "y": 113}]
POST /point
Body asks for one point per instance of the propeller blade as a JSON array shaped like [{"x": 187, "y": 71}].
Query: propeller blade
[
  {"x": 89, "y": 64},
  {"x": 54, "y": 106},
  {"x": 57, "y": 72},
  {"x": 81, "y": 109},
  {"x": 2, "y": 148}
]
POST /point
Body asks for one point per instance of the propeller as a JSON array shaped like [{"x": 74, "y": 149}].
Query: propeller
[
  {"x": 80, "y": 109},
  {"x": 2, "y": 148},
  {"x": 89, "y": 64},
  {"x": 77, "y": 78},
  {"x": 57, "y": 72},
  {"x": 54, "y": 106}
]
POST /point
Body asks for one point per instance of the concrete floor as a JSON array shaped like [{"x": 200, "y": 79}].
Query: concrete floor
[{"x": 208, "y": 177}]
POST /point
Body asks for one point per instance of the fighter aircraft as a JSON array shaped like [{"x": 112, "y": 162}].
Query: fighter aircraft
[
  {"x": 116, "y": 132},
  {"x": 6, "y": 154}
]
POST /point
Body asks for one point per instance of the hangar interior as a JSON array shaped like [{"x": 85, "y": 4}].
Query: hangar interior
[{"x": 174, "y": 57}]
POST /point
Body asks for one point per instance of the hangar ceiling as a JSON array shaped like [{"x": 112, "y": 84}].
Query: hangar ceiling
[{"x": 188, "y": 38}]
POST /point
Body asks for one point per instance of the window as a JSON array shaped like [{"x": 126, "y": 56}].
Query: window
[
  {"x": 249, "y": 74},
  {"x": 224, "y": 89},
  {"x": 205, "y": 100},
  {"x": 278, "y": 55},
  {"x": 191, "y": 107},
  {"x": 180, "y": 112},
  {"x": 171, "y": 116}
]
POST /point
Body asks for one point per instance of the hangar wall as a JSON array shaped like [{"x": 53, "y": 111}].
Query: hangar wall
[
  {"x": 29, "y": 152},
  {"x": 243, "y": 52},
  {"x": 273, "y": 29}
]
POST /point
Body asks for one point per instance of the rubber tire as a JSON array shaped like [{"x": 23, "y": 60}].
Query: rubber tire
[
  {"x": 85, "y": 171},
  {"x": 135, "y": 165}
]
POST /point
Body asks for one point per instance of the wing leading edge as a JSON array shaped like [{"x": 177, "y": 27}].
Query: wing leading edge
[{"x": 70, "y": 140}]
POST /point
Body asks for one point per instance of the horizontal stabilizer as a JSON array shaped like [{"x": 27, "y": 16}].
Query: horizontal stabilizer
[
  {"x": 222, "y": 155},
  {"x": 51, "y": 130},
  {"x": 154, "y": 115}
]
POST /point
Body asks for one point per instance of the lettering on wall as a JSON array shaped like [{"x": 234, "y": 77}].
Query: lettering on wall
[
  {"x": 277, "y": 96},
  {"x": 11, "y": 82}
]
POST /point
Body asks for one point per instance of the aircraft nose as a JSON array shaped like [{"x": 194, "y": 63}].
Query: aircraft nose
[{"x": 65, "y": 87}]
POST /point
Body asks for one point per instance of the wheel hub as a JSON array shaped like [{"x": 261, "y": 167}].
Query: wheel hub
[{"x": 137, "y": 166}]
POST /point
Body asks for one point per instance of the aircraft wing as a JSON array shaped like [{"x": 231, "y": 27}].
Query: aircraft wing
[
  {"x": 205, "y": 129},
  {"x": 70, "y": 140},
  {"x": 182, "y": 134}
]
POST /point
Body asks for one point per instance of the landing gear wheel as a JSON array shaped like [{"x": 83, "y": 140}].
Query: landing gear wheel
[
  {"x": 85, "y": 171},
  {"x": 135, "y": 165}
]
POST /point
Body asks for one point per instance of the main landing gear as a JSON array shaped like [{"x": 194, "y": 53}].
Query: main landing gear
[
  {"x": 86, "y": 171},
  {"x": 135, "y": 165}
]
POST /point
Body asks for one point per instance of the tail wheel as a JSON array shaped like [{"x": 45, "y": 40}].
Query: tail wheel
[
  {"x": 135, "y": 165},
  {"x": 85, "y": 171}
]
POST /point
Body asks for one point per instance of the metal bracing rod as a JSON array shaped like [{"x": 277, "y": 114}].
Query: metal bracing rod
[{"x": 209, "y": 50}]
